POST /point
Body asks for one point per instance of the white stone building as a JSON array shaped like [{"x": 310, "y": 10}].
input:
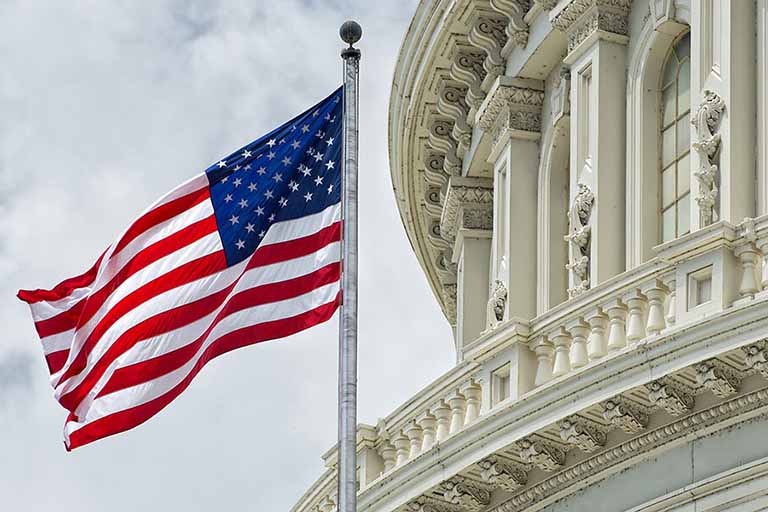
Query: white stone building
[{"x": 585, "y": 184}]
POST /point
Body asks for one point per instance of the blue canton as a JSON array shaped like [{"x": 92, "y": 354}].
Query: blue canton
[{"x": 293, "y": 171}]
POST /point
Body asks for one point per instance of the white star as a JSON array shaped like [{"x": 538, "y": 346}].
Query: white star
[
  {"x": 272, "y": 218},
  {"x": 282, "y": 141},
  {"x": 234, "y": 219},
  {"x": 318, "y": 156},
  {"x": 225, "y": 179},
  {"x": 293, "y": 128},
  {"x": 306, "y": 171},
  {"x": 261, "y": 171},
  {"x": 328, "y": 116},
  {"x": 295, "y": 144},
  {"x": 247, "y": 154},
  {"x": 250, "y": 227},
  {"x": 228, "y": 198},
  {"x": 261, "y": 234},
  {"x": 330, "y": 141},
  {"x": 268, "y": 194},
  {"x": 237, "y": 168},
  {"x": 259, "y": 211},
  {"x": 329, "y": 164},
  {"x": 318, "y": 181},
  {"x": 305, "y": 128},
  {"x": 247, "y": 167},
  {"x": 237, "y": 182},
  {"x": 252, "y": 187},
  {"x": 243, "y": 203},
  {"x": 283, "y": 202},
  {"x": 330, "y": 188},
  {"x": 271, "y": 143},
  {"x": 315, "y": 113},
  {"x": 271, "y": 155},
  {"x": 240, "y": 244},
  {"x": 320, "y": 134},
  {"x": 293, "y": 186},
  {"x": 222, "y": 163},
  {"x": 311, "y": 151},
  {"x": 308, "y": 196},
  {"x": 287, "y": 160},
  {"x": 278, "y": 177}
]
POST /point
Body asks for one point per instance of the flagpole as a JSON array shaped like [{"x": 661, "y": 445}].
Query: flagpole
[{"x": 350, "y": 33}]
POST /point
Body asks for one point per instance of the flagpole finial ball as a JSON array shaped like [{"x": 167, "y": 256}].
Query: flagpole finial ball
[{"x": 351, "y": 32}]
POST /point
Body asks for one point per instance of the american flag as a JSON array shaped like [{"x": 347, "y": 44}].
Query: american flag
[{"x": 245, "y": 252}]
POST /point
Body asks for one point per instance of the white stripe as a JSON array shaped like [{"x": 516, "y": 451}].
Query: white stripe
[
  {"x": 301, "y": 227},
  {"x": 175, "y": 297},
  {"x": 143, "y": 393},
  {"x": 57, "y": 342},
  {"x": 168, "y": 342}
]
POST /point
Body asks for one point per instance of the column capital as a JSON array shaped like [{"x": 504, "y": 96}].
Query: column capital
[
  {"x": 583, "y": 20},
  {"x": 468, "y": 204}
]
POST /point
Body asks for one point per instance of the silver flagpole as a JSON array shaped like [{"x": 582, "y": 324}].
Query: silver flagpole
[{"x": 350, "y": 33}]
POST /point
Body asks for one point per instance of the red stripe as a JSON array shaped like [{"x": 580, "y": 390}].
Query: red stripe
[
  {"x": 153, "y": 368},
  {"x": 130, "y": 418},
  {"x": 62, "y": 289},
  {"x": 65, "y": 321},
  {"x": 56, "y": 360},
  {"x": 161, "y": 214},
  {"x": 266, "y": 255}
]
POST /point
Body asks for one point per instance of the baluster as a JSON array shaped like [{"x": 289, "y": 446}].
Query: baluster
[
  {"x": 672, "y": 300},
  {"x": 402, "y": 446},
  {"x": 762, "y": 245},
  {"x": 457, "y": 402},
  {"x": 596, "y": 345},
  {"x": 388, "y": 454},
  {"x": 473, "y": 393},
  {"x": 636, "y": 316},
  {"x": 579, "y": 330},
  {"x": 617, "y": 315},
  {"x": 656, "y": 293},
  {"x": 562, "y": 342},
  {"x": 427, "y": 423},
  {"x": 443, "y": 416},
  {"x": 413, "y": 432},
  {"x": 748, "y": 257},
  {"x": 543, "y": 350}
]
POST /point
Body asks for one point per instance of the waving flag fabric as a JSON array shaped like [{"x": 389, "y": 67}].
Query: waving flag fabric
[{"x": 247, "y": 251}]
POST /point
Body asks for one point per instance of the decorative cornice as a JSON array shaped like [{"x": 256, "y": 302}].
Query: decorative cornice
[
  {"x": 606, "y": 459},
  {"x": 468, "y": 204},
  {"x": 513, "y": 98},
  {"x": 467, "y": 67},
  {"x": 718, "y": 377},
  {"x": 449, "y": 299},
  {"x": 450, "y": 103},
  {"x": 427, "y": 504},
  {"x": 584, "y": 434},
  {"x": 669, "y": 396},
  {"x": 543, "y": 454},
  {"x": 489, "y": 33},
  {"x": 628, "y": 417},
  {"x": 469, "y": 495},
  {"x": 516, "y": 29},
  {"x": 756, "y": 357},
  {"x": 503, "y": 474},
  {"x": 581, "y": 18}
]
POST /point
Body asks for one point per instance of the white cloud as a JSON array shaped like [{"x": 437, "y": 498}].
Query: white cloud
[{"x": 106, "y": 106}]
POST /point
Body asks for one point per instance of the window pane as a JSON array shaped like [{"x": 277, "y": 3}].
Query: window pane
[
  {"x": 684, "y": 175},
  {"x": 684, "y": 87},
  {"x": 683, "y": 135},
  {"x": 670, "y": 70},
  {"x": 668, "y": 105},
  {"x": 683, "y": 47},
  {"x": 667, "y": 146},
  {"x": 668, "y": 224},
  {"x": 683, "y": 215},
  {"x": 668, "y": 193}
]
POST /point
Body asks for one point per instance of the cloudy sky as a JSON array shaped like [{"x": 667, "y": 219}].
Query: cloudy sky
[{"x": 104, "y": 106}]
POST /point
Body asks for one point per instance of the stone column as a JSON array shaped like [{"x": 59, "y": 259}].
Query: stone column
[{"x": 597, "y": 38}]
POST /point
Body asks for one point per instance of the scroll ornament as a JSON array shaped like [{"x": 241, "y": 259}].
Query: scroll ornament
[
  {"x": 579, "y": 240},
  {"x": 706, "y": 121}
]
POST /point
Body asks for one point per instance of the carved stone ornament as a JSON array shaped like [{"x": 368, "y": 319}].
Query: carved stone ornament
[
  {"x": 547, "y": 5},
  {"x": 468, "y": 204},
  {"x": 581, "y": 18},
  {"x": 627, "y": 417},
  {"x": 450, "y": 103},
  {"x": 467, "y": 494},
  {"x": 327, "y": 504},
  {"x": 706, "y": 121},
  {"x": 542, "y": 454},
  {"x": 670, "y": 397},
  {"x": 497, "y": 300},
  {"x": 579, "y": 432},
  {"x": 756, "y": 357},
  {"x": 717, "y": 377},
  {"x": 516, "y": 29},
  {"x": 440, "y": 139},
  {"x": 468, "y": 69},
  {"x": 428, "y": 504},
  {"x": 449, "y": 299},
  {"x": 512, "y": 106},
  {"x": 503, "y": 474},
  {"x": 578, "y": 238},
  {"x": 489, "y": 33}
]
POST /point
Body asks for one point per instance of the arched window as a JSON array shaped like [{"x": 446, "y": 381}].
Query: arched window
[{"x": 675, "y": 126}]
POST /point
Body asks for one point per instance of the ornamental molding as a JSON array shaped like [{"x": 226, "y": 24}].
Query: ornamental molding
[
  {"x": 718, "y": 377},
  {"x": 543, "y": 454},
  {"x": 706, "y": 122},
  {"x": 628, "y": 417},
  {"x": 467, "y": 67},
  {"x": 516, "y": 29},
  {"x": 510, "y": 96},
  {"x": 503, "y": 473},
  {"x": 440, "y": 140},
  {"x": 449, "y": 301},
  {"x": 579, "y": 19},
  {"x": 469, "y": 495},
  {"x": 756, "y": 357},
  {"x": 468, "y": 204},
  {"x": 601, "y": 462},
  {"x": 451, "y": 104},
  {"x": 428, "y": 504},
  {"x": 488, "y": 32},
  {"x": 587, "y": 435},
  {"x": 579, "y": 239},
  {"x": 670, "y": 396}
]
